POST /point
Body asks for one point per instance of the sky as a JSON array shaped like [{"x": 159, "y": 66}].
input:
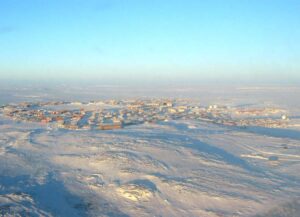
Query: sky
[{"x": 150, "y": 40}]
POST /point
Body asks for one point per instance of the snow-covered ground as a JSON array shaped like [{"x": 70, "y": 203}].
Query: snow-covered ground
[{"x": 176, "y": 168}]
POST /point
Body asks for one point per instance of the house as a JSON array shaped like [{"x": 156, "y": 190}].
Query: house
[
  {"x": 46, "y": 120},
  {"x": 172, "y": 110},
  {"x": 110, "y": 126}
]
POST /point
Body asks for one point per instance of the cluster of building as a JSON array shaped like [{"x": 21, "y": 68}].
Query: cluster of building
[{"x": 113, "y": 114}]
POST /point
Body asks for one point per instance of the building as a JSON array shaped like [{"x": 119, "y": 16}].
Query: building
[{"x": 110, "y": 126}]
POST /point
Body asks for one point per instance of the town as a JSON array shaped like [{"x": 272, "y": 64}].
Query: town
[{"x": 116, "y": 114}]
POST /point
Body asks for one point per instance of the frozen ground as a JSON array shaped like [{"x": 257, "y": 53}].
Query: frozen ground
[{"x": 179, "y": 168}]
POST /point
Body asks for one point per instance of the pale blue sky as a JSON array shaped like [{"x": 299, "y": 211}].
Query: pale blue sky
[{"x": 151, "y": 40}]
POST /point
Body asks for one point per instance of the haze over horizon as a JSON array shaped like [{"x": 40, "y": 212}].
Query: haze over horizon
[{"x": 150, "y": 41}]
